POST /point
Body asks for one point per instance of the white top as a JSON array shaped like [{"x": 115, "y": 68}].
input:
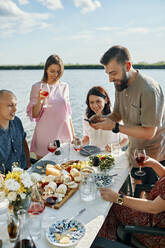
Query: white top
[{"x": 101, "y": 138}]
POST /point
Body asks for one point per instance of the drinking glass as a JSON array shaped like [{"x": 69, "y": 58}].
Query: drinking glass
[
  {"x": 44, "y": 93},
  {"x": 140, "y": 156},
  {"x": 52, "y": 147},
  {"x": 77, "y": 144}
]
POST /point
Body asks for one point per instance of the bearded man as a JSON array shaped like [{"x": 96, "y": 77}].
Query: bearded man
[
  {"x": 139, "y": 104},
  {"x": 13, "y": 145}
]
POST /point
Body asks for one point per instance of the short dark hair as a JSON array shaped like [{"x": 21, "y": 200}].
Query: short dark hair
[
  {"x": 120, "y": 53},
  {"x": 98, "y": 91},
  {"x": 6, "y": 91},
  {"x": 53, "y": 59}
]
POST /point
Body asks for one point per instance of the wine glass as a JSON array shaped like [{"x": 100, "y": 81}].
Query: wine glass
[
  {"x": 77, "y": 144},
  {"x": 52, "y": 147},
  {"x": 140, "y": 156},
  {"x": 44, "y": 93}
]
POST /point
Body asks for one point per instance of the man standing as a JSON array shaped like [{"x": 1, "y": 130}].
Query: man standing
[
  {"x": 13, "y": 146},
  {"x": 139, "y": 103}
]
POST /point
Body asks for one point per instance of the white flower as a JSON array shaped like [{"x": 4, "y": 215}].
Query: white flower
[
  {"x": 23, "y": 196},
  {"x": 26, "y": 180},
  {"x": 11, "y": 184},
  {"x": 2, "y": 195},
  {"x": 17, "y": 169},
  {"x": 12, "y": 196},
  {"x": 35, "y": 177}
]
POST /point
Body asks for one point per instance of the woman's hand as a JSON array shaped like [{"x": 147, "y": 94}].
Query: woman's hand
[
  {"x": 108, "y": 148},
  {"x": 149, "y": 162},
  {"x": 108, "y": 195}
]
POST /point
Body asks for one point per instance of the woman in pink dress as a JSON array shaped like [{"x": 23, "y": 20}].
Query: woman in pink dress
[
  {"x": 136, "y": 211},
  {"x": 51, "y": 112}
]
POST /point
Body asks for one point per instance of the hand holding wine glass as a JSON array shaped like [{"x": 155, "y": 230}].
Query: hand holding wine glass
[
  {"x": 44, "y": 93},
  {"x": 140, "y": 156}
]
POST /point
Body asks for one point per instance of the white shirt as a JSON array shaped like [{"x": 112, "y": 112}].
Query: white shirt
[{"x": 100, "y": 138}]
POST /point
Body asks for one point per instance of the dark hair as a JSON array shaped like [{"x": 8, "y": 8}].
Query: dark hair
[
  {"x": 6, "y": 91},
  {"x": 53, "y": 59},
  {"x": 98, "y": 91},
  {"x": 120, "y": 53}
]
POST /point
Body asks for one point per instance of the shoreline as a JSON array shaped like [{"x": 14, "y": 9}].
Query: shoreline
[{"x": 79, "y": 67}]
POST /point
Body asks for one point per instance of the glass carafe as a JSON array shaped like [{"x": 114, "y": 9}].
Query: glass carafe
[
  {"x": 24, "y": 239},
  {"x": 13, "y": 225}
]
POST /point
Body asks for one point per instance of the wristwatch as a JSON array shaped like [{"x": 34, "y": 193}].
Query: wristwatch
[
  {"x": 120, "y": 199},
  {"x": 116, "y": 128}
]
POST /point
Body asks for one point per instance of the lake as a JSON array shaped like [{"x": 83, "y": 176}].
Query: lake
[{"x": 80, "y": 81}]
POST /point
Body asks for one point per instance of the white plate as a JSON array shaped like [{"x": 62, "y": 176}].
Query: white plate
[{"x": 61, "y": 227}]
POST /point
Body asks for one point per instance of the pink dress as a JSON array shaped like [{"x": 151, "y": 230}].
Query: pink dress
[{"x": 53, "y": 122}]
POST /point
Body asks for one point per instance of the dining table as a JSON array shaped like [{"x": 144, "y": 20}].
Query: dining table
[{"x": 96, "y": 210}]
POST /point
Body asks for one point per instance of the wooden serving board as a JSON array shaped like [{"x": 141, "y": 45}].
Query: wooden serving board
[{"x": 69, "y": 193}]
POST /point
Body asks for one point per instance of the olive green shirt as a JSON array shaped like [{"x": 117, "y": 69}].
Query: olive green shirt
[{"x": 142, "y": 104}]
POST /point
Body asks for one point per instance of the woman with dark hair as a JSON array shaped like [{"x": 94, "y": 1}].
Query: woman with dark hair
[
  {"x": 98, "y": 102},
  {"x": 53, "y": 121}
]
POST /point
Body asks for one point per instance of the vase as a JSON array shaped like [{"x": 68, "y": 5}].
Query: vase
[{"x": 21, "y": 204}]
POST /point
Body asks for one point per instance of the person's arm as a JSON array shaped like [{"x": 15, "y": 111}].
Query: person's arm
[
  {"x": 72, "y": 128},
  {"x": 155, "y": 165},
  {"x": 27, "y": 153},
  {"x": 149, "y": 206},
  {"x": 140, "y": 132},
  {"x": 85, "y": 140}
]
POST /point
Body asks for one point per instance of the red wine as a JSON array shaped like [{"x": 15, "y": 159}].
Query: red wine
[
  {"x": 77, "y": 149},
  {"x": 24, "y": 243},
  {"x": 44, "y": 93},
  {"x": 12, "y": 230},
  {"x": 140, "y": 159},
  {"x": 51, "y": 200},
  {"x": 36, "y": 208},
  {"x": 52, "y": 148}
]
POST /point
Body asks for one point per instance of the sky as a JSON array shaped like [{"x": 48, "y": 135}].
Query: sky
[{"x": 80, "y": 31}]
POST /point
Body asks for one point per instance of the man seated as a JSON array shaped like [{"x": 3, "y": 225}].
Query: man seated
[{"x": 13, "y": 145}]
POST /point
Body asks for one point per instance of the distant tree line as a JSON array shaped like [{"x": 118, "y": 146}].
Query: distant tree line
[{"x": 142, "y": 65}]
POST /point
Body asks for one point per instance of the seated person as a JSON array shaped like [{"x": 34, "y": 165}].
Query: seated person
[
  {"x": 98, "y": 102},
  {"x": 13, "y": 145},
  {"x": 136, "y": 211}
]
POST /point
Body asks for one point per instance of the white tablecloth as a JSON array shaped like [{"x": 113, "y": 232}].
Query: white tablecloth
[{"x": 96, "y": 210}]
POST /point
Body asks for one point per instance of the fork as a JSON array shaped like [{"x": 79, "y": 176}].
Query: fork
[{"x": 73, "y": 217}]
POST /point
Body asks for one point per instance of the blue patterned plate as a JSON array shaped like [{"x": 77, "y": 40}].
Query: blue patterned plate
[
  {"x": 89, "y": 150},
  {"x": 74, "y": 229},
  {"x": 103, "y": 180},
  {"x": 40, "y": 166}
]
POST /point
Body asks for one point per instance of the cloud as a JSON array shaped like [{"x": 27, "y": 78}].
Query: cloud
[
  {"x": 52, "y": 4},
  {"x": 14, "y": 20},
  {"x": 23, "y": 2},
  {"x": 125, "y": 30},
  {"x": 87, "y": 5}
]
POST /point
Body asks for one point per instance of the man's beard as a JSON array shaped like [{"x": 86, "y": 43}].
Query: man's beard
[{"x": 123, "y": 83}]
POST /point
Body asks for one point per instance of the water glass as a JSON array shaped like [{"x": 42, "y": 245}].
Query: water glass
[
  {"x": 35, "y": 221},
  {"x": 115, "y": 149},
  {"x": 88, "y": 188}
]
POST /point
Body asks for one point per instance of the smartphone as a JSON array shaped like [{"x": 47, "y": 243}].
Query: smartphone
[{"x": 90, "y": 121}]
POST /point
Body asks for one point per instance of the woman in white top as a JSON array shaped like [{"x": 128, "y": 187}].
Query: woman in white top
[{"x": 98, "y": 102}]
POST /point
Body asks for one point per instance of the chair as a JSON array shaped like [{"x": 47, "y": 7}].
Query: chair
[
  {"x": 139, "y": 188},
  {"x": 125, "y": 234},
  {"x": 127, "y": 186},
  {"x": 101, "y": 242}
]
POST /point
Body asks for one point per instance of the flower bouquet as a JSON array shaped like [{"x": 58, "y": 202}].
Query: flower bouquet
[
  {"x": 104, "y": 162},
  {"x": 17, "y": 187}
]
